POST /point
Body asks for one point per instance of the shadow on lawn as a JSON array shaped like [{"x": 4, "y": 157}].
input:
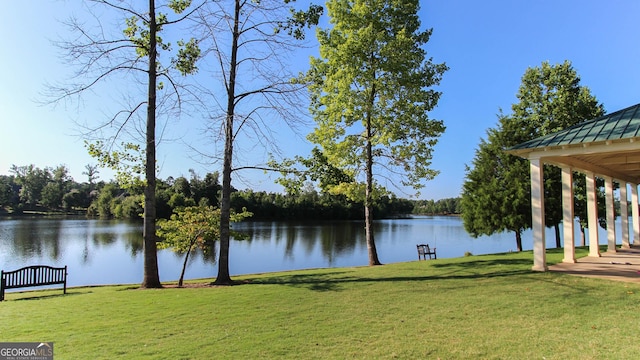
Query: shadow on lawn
[
  {"x": 476, "y": 269},
  {"x": 35, "y": 296},
  {"x": 479, "y": 263}
]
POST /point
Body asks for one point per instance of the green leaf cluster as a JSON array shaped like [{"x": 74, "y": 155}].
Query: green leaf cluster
[
  {"x": 372, "y": 86},
  {"x": 128, "y": 162},
  {"x": 137, "y": 31},
  {"x": 194, "y": 226},
  {"x": 316, "y": 168},
  {"x": 301, "y": 19},
  {"x": 496, "y": 192}
]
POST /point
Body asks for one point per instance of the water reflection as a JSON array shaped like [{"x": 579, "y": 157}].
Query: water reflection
[
  {"x": 110, "y": 252},
  {"x": 327, "y": 240}
]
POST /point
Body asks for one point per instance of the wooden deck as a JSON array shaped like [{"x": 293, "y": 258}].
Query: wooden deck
[{"x": 623, "y": 265}]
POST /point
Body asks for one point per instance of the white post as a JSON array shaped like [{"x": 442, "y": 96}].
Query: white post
[
  {"x": 634, "y": 214},
  {"x": 610, "y": 214},
  {"x": 568, "y": 216},
  {"x": 592, "y": 214},
  {"x": 624, "y": 214},
  {"x": 537, "y": 215}
]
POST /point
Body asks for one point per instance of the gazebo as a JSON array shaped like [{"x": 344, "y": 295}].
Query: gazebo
[{"x": 607, "y": 147}]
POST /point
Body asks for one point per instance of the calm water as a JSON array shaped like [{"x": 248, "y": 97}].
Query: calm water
[{"x": 110, "y": 252}]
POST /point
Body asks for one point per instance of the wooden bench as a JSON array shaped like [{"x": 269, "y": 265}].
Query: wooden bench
[
  {"x": 424, "y": 250},
  {"x": 38, "y": 275}
]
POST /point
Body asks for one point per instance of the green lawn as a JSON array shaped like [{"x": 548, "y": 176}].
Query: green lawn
[{"x": 478, "y": 307}]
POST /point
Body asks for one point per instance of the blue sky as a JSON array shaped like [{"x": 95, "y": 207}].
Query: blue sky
[{"x": 488, "y": 45}]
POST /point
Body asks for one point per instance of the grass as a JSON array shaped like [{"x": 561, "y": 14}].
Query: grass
[{"x": 476, "y": 307}]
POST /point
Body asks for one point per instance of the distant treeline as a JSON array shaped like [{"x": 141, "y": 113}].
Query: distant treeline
[
  {"x": 31, "y": 189},
  {"x": 437, "y": 207}
]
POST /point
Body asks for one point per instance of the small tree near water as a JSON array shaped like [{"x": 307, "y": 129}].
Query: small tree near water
[{"x": 191, "y": 227}]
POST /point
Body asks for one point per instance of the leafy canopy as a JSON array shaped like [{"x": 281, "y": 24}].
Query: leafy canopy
[
  {"x": 496, "y": 192},
  {"x": 372, "y": 85},
  {"x": 191, "y": 226}
]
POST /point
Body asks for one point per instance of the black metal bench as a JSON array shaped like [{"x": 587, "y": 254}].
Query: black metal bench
[
  {"x": 424, "y": 250},
  {"x": 38, "y": 275}
]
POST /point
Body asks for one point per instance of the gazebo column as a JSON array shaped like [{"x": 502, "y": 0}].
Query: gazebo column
[
  {"x": 592, "y": 214},
  {"x": 635, "y": 219},
  {"x": 624, "y": 214},
  {"x": 610, "y": 214},
  {"x": 568, "y": 215},
  {"x": 537, "y": 215}
]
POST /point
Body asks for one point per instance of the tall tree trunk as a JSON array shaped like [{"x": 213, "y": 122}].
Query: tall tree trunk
[
  {"x": 151, "y": 277},
  {"x": 557, "y": 229},
  {"x": 368, "y": 201},
  {"x": 224, "y": 277},
  {"x": 518, "y": 241}
]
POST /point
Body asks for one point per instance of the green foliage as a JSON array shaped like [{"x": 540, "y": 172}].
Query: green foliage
[
  {"x": 479, "y": 307},
  {"x": 496, "y": 192},
  {"x": 497, "y": 189},
  {"x": 107, "y": 200},
  {"x": 439, "y": 207},
  {"x": 370, "y": 97},
  {"x": 179, "y": 200},
  {"x": 54, "y": 191},
  {"x": 129, "y": 207},
  {"x": 371, "y": 86},
  {"x": 128, "y": 163},
  {"x": 179, "y": 6},
  {"x": 75, "y": 198},
  {"x": 112, "y": 200},
  {"x": 316, "y": 168},
  {"x": 356, "y": 191},
  {"x": 138, "y": 32},
  {"x": 310, "y": 205},
  {"x": 52, "y": 195},
  {"x": 552, "y": 99},
  {"x": 194, "y": 226},
  {"x": 31, "y": 180},
  {"x": 187, "y": 57},
  {"x": 301, "y": 19},
  {"x": 9, "y": 191}
]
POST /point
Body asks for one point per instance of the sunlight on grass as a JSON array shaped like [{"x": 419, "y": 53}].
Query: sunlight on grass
[{"x": 476, "y": 307}]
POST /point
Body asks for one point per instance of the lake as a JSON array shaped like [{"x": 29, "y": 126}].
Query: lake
[{"x": 110, "y": 251}]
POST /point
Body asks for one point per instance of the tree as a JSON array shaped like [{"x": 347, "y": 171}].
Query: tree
[
  {"x": 370, "y": 97},
  {"x": 315, "y": 169},
  {"x": 75, "y": 198},
  {"x": 551, "y": 99},
  {"x": 9, "y": 192},
  {"x": 54, "y": 190},
  {"x": 32, "y": 181},
  {"x": 193, "y": 227},
  {"x": 102, "y": 206},
  {"x": 99, "y": 57},
  {"x": 92, "y": 174},
  {"x": 249, "y": 41},
  {"x": 496, "y": 192}
]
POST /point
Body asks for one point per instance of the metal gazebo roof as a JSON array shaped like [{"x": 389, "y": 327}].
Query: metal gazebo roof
[{"x": 608, "y": 145}]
